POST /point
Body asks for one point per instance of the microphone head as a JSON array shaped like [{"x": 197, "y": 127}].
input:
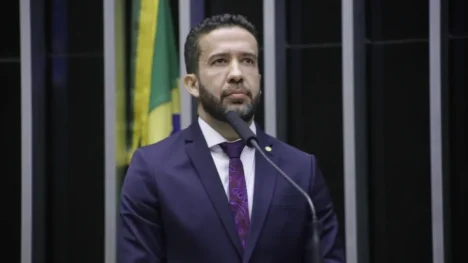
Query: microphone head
[{"x": 240, "y": 127}]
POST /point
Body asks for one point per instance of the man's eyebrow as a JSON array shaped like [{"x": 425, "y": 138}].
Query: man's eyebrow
[
  {"x": 248, "y": 54},
  {"x": 225, "y": 54},
  {"x": 218, "y": 54}
]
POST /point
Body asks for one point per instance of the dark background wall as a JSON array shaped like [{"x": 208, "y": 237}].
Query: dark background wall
[
  {"x": 76, "y": 128},
  {"x": 314, "y": 81},
  {"x": 10, "y": 139},
  {"x": 399, "y": 146},
  {"x": 458, "y": 121}
]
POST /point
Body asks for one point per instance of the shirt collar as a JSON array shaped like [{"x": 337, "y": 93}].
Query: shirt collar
[{"x": 212, "y": 137}]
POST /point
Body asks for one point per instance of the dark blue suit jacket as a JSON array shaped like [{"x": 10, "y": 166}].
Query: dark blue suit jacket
[{"x": 174, "y": 208}]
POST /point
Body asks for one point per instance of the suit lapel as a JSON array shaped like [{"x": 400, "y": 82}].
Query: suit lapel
[
  {"x": 265, "y": 181},
  {"x": 200, "y": 156}
]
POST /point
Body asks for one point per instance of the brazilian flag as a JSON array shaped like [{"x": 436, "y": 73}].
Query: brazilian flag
[{"x": 155, "y": 73}]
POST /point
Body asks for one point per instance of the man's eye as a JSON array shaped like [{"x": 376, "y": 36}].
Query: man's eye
[
  {"x": 248, "y": 61},
  {"x": 219, "y": 61}
]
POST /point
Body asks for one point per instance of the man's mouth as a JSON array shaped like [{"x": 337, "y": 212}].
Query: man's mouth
[{"x": 237, "y": 95}]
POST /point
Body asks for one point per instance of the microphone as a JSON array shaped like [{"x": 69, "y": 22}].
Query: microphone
[{"x": 250, "y": 139}]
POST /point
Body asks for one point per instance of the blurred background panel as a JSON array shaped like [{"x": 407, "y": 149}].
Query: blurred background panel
[
  {"x": 399, "y": 145},
  {"x": 75, "y": 77},
  {"x": 314, "y": 88},
  {"x": 458, "y": 122},
  {"x": 10, "y": 139}
]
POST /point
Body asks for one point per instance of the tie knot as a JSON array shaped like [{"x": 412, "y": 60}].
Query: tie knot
[{"x": 233, "y": 149}]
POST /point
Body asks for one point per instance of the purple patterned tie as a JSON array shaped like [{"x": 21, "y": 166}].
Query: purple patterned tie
[{"x": 237, "y": 189}]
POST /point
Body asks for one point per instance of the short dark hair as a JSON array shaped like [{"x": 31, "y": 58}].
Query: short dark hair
[{"x": 192, "y": 47}]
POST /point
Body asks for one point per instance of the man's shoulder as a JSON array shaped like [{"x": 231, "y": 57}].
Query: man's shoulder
[
  {"x": 164, "y": 149},
  {"x": 169, "y": 142}
]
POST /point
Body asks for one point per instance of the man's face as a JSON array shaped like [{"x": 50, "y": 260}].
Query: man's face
[{"x": 228, "y": 76}]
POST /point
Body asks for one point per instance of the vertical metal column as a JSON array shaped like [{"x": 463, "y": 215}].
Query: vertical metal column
[
  {"x": 197, "y": 14},
  {"x": 354, "y": 130},
  {"x": 438, "y": 37},
  {"x": 269, "y": 62},
  {"x": 33, "y": 131},
  {"x": 26, "y": 134},
  {"x": 110, "y": 164},
  {"x": 185, "y": 97}
]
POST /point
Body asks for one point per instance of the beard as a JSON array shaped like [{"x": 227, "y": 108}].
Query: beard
[{"x": 217, "y": 109}]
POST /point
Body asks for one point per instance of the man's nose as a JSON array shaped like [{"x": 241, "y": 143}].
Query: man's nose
[{"x": 235, "y": 74}]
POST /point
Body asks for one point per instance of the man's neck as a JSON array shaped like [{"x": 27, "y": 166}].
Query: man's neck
[{"x": 221, "y": 127}]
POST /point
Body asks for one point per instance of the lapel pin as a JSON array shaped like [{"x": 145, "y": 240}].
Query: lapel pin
[{"x": 268, "y": 149}]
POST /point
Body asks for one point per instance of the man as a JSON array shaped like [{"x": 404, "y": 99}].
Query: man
[{"x": 201, "y": 195}]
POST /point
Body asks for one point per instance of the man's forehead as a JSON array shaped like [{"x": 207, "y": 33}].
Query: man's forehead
[
  {"x": 228, "y": 40},
  {"x": 229, "y": 32}
]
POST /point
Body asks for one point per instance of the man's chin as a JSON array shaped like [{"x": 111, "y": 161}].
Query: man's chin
[
  {"x": 243, "y": 113},
  {"x": 237, "y": 107}
]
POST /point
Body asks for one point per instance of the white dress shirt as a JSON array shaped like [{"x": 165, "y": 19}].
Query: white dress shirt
[{"x": 221, "y": 160}]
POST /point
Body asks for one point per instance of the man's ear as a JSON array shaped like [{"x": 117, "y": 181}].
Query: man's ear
[{"x": 191, "y": 84}]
